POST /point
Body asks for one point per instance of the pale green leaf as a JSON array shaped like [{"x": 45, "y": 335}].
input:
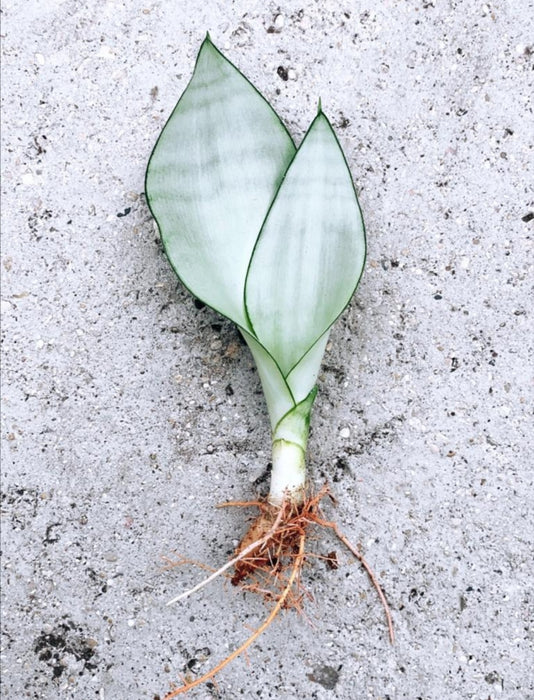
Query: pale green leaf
[
  {"x": 310, "y": 252},
  {"x": 303, "y": 376},
  {"x": 278, "y": 396},
  {"x": 211, "y": 178},
  {"x": 294, "y": 426}
]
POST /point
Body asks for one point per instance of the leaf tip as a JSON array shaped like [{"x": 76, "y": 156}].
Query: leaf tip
[
  {"x": 319, "y": 107},
  {"x": 208, "y": 42},
  {"x": 208, "y": 50}
]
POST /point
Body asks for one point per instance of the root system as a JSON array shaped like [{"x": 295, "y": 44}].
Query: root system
[{"x": 269, "y": 561}]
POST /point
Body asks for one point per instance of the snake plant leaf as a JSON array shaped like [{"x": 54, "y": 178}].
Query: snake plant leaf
[
  {"x": 310, "y": 253},
  {"x": 278, "y": 396},
  {"x": 303, "y": 376},
  {"x": 295, "y": 424},
  {"x": 211, "y": 178},
  {"x": 282, "y": 394}
]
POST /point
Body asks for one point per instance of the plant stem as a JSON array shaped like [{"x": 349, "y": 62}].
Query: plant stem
[
  {"x": 290, "y": 437},
  {"x": 288, "y": 476}
]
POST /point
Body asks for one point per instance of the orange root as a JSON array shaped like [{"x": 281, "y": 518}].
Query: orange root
[
  {"x": 274, "y": 612},
  {"x": 334, "y": 526},
  {"x": 269, "y": 561},
  {"x": 241, "y": 504}
]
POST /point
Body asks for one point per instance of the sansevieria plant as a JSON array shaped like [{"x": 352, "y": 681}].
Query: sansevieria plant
[
  {"x": 268, "y": 235},
  {"x": 272, "y": 237}
]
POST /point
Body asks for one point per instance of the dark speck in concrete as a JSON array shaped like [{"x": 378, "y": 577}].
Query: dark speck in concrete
[
  {"x": 327, "y": 676},
  {"x": 63, "y": 640},
  {"x": 50, "y": 538},
  {"x": 282, "y": 72}
]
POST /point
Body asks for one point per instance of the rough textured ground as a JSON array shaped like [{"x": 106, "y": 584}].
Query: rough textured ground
[{"x": 128, "y": 412}]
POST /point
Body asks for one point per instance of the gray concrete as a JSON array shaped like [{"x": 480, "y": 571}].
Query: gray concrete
[{"x": 128, "y": 413}]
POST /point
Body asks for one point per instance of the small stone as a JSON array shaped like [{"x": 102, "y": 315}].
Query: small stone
[{"x": 345, "y": 432}]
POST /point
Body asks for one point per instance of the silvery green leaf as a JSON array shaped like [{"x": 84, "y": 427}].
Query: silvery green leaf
[
  {"x": 270, "y": 237},
  {"x": 211, "y": 178},
  {"x": 303, "y": 376},
  {"x": 310, "y": 253},
  {"x": 294, "y": 425},
  {"x": 278, "y": 395}
]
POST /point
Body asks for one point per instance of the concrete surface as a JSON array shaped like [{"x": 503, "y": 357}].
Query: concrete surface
[{"x": 128, "y": 413}]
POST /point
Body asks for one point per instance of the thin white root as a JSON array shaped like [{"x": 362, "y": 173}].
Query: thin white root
[{"x": 232, "y": 562}]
